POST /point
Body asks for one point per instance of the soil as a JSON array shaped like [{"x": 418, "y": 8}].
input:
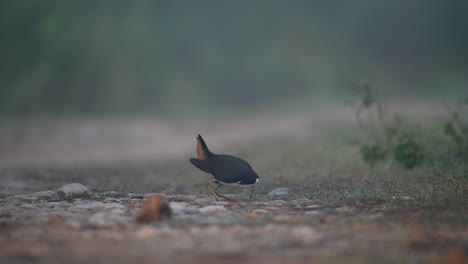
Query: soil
[{"x": 122, "y": 163}]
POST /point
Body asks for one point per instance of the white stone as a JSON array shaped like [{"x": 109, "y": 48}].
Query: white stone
[
  {"x": 79, "y": 208},
  {"x": 114, "y": 206},
  {"x": 147, "y": 231},
  {"x": 262, "y": 212},
  {"x": 212, "y": 209},
  {"x": 72, "y": 190},
  {"x": 182, "y": 207},
  {"x": 45, "y": 195},
  {"x": 301, "y": 201},
  {"x": 279, "y": 192}
]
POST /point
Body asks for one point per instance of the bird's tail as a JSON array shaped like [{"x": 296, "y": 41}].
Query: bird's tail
[{"x": 202, "y": 149}]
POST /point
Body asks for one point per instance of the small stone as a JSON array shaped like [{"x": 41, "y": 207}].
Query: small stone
[
  {"x": 279, "y": 192},
  {"x": 182, "y": 198},
  {"x": 147, "y": 231},
  {"x": 183, "y": 207},
  {"x": 98, "y": 219},
  {"x": 301, "y": 201},
  {"x": 313, "y": 206},
  {"x": 82, "y": 208},
  {"x": 58, "y": 205},
  {"x": 45, "y": 195},
  {"x": 73, "y": 190},
  {"x": 117, "y": 211},
  {"x": 156, "y": 208},
  {"x": 344, "y": 209},
  {"x": 212, "y": 209},
  {"x": 262, "y": 212},
  {"x": 314, "y": 213},
  {"x": 221, "y": 203},
  {"x": 112, "y": 219},
  {"x": 376, "y": 215},
  {"x": 404, "y": 198},
  {"x": 24, "y": 198},
  {"x": 112, "y": 200},
  {"x": 147, "y": 195},
  {"x": 305, "y": 234},
  {"x": 64, "y": 222},
  {"x": 135, "y": 196},
  {"x": 276, "y": 203},
  {"x": 29, "y": 206},
  {"x": 113, "y": 194},
  {"x": 114, "y": 206},
  {"x": 203, "y": 201},
  {"x": 286, "y": 218}
]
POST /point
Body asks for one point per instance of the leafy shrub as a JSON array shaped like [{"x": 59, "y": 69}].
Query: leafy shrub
[
  {"x": 456, "y": 129},
  {"x": 408, "y": 152},
  {"x": 386, "y": 139},
  {"x": 371, "y": 154}
]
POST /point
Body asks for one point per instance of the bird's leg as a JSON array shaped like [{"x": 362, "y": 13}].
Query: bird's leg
[
  {"x": 252, "y": 191},
  {"x": 207, "y": 185},
  {"x": 222, "y": 196}
]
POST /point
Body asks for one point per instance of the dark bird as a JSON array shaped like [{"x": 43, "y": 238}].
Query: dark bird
[{"x": 226, "y": 169}]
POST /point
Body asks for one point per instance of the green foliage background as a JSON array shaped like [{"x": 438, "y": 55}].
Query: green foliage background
[{"x": 119, "y": 57}]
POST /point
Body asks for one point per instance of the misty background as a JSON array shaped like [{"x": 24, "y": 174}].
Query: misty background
[{"x": 61, "y": 58}]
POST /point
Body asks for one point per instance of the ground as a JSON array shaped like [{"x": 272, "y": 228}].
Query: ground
[{"x": 335, "y": 210}]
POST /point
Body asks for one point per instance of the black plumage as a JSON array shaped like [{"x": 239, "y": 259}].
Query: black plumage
[{"x": 226, "y": 169}]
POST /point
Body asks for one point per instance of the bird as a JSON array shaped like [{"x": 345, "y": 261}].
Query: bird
[{"x": 225, "y": 169}]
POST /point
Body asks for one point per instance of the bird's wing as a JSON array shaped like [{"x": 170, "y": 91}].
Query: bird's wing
[{"x": 201, "y": 164}]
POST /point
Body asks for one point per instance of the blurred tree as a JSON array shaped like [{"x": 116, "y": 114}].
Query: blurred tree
[{"x": 116, "y": 57}]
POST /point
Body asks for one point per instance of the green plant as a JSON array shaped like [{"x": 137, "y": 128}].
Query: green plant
[
  {"x": 409, "y": 152},
  {"x": 456, "y": 128},
  {"x": 371, "y": 154},
  {"x": 385, "y": 137}
]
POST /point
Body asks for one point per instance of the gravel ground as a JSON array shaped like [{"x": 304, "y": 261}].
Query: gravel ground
[{"x": 122, "y": 163}]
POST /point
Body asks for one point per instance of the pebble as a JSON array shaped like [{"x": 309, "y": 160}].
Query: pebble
[
  {"x": 29, "y": 206},
  {"x": 81, "y": 208},
  {"x": 73, "y": 190},
  {"x": 305, "y": 234},
  {"x": 45, "y": 195},
  {"x": 262, "y": 212},
  {"x": 108, "y": 219},
  {"x": 276, "y": 203},
  {"x": 183, "y": 207},
  {"x": 182, "y": 198},
  {"x": 404, "y": 198},
  {"x": 208, "y": 200},
  {"x": 279, "y": 192},
  {"x": 344, "y": 209},
  {"x": 147, "y": 231},
  {"x": 24, "y": 198},
  {"x": 135, "y": 196},
  {"x": 62, "y": 222},
  {"x": 112, "y": 200},
  {"x": 114, "y": 206},
  {"x": 301, "y": 201},
  {"x": 113, "y": 194},
  {"x": 58, "y": 205},
  {"x": 314, "y": 213},
  {"x": 212, "y": 209},
  {"x": 98, "y": 219}
]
